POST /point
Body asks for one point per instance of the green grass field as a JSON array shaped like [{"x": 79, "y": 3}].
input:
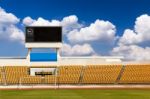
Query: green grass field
[{"x": 75, "y": 94}]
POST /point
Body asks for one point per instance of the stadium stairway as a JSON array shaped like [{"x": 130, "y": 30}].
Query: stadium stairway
[
  {"x": 120, "y": 74},
  {"x": 81, "y": 74},
  {"x": 2, "y": 76}
]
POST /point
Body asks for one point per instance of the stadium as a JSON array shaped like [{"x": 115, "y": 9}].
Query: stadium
[{"x": 51, "y": 71}]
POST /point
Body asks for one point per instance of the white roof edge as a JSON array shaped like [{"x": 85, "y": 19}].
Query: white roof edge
[
  {"x": 97, "y": 57},
  {"x": 71, "y": 57},
  {"x": 136, "y": 62},
  {"x": 12, "y": 57}
]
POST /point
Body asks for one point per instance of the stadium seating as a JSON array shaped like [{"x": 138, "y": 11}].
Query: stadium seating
[
  {"x": 92, "y": 74},
  {"x": 136, "y": 74},
  {"x": 50, "y": 79},
  {"x": 69, "y": 74},
  {"x": 14, "y": 73},
  {"x": 101, "y": 74},
  {"x": 31, "y": 80},
  {"x": 1, "y": 78}
]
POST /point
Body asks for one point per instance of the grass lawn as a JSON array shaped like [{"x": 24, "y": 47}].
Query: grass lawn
[{"x": 75, "y": 94}]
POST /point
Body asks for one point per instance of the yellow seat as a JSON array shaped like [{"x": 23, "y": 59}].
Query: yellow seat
[
  {"x": 69, "y": 74},
  {"x": 101, "y": 74},
  {"x": 136, "y": 74},
  {"x": 14, "y": 73}
]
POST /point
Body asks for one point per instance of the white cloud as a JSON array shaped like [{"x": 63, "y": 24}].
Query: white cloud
[
  {"x": 142, "y": 27},
  {"x": 7, "y": 18},
  {"x": 132, "y": 52},
  {"x": 129, "y": 44},
  {"x": 28, "y": 21},
  {"x": 129, "y": 37},
  {"x": 8, "y": 28},
  {"x": 77, "y": 50},
  {"x": 40, "y": 22},
  {"x": 72, "y": 19},
  {"x": 15, "y": 33},
  {"x": 141, "y": 32},
  {"x": 99, "y": 30},
  {"x": 68, "y": 23},
  {"x": 43, "y": 22}
]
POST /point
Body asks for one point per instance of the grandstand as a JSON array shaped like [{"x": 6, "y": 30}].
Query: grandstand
[
  {"x": 77, "y": 74},
  {"x": 57, "y": 70}
]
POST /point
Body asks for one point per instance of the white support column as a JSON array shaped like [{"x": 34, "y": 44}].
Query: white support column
[
  {"x": 28, "y": 54},
  {"x": 56, "y": 75},
  {"x": 58, "y": 54}
]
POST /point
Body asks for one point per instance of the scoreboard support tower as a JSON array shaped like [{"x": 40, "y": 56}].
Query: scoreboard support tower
[{"x": 43, "y": 37}]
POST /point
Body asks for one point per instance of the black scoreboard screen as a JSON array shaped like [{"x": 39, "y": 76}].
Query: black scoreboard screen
[{"x": 43, "y": 34}]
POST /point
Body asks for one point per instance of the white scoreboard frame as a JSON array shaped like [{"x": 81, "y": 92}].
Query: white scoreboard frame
[{"x": 43, "y": 45}]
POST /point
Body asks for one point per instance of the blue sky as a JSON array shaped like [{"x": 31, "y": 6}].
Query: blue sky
[{"x": 121, "y": 13}]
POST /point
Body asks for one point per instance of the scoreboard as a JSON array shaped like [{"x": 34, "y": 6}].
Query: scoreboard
[{"x": 43, "y": 36}]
